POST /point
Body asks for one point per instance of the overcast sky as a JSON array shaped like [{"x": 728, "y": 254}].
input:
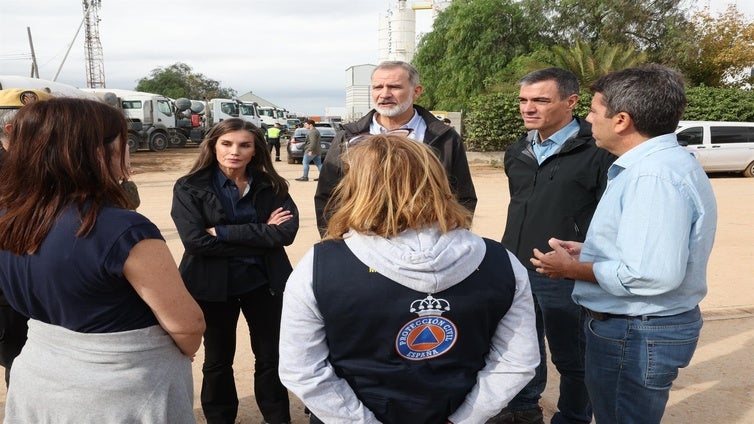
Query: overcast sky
[{"x": 293, "y": 53}]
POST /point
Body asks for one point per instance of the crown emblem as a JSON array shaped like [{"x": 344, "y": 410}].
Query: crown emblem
[{"x": 429, "y": 306}]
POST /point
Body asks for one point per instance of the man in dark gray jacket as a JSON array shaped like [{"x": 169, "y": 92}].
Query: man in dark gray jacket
[
  {"x": 556, "y": 175},
  {"x": 312, "y": 150},
  {"x": 395, "y": 87}
]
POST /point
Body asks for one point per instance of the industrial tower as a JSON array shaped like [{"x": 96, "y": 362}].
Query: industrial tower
[
  {"x": 397, "y": 28},
  {"x": 95, "y": 63}
]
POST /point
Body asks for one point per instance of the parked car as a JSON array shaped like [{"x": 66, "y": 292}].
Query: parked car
[
  {"x": 719, "y": 146},
  {"x": 328, "y": 124},
  {"x": 296, "y": 144}
]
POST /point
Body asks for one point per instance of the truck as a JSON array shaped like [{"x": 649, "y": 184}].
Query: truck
[
  {"x": 272, "y": 115},
  {"x": 154, "y": 121},
  {"x": 220, "y": 109}
]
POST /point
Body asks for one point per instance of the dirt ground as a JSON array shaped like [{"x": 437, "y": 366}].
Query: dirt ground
[{"x": 716, "y": 387}]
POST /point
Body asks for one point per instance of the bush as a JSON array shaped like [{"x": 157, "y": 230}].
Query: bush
[
  {"x": 494, "y": 121},
  {"x": 719, "y": 104}
]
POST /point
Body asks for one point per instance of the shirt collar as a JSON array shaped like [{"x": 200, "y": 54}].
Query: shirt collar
[
  {"x": 562, "y": 135},
  {"x": 415, "y": 123},
  {"x": 221, "y": 179},
  {"x": 641, "y": 151}
]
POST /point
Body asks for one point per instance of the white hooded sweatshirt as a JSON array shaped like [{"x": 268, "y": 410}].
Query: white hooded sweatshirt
[{"x": 426, "y": 261}]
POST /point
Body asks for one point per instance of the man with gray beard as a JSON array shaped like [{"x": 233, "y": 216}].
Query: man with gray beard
[{"x": 395, "y": 87}]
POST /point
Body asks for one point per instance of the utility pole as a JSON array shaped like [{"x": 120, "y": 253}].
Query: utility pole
[
  {"x": 34, "y": 68},
  {"x": 95, "y": 63}
]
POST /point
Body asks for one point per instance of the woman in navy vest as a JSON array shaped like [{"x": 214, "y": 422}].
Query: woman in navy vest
[
  {"x": 235, "y": 216},
  {"x": 402, "y": 315}
]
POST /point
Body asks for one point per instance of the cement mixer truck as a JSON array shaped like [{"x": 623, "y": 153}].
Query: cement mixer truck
[{"x": 154, "y": 121}]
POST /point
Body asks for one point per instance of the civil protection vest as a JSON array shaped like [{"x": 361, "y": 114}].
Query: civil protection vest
[{"x": 410, "y": 357}]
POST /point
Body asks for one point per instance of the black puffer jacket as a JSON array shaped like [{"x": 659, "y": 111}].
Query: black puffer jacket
[
  {"x": 555, "y": 199},
  {"x": 443, "y": 139},
  {"x": 204, "y": 266}
]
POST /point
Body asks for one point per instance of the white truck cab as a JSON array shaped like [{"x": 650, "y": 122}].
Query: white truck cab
[{"x": 152, "y": 118}]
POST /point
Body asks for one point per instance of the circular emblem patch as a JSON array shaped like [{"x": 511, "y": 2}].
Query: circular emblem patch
[
  {"x": 425, "y": 338},
  {"x": 28, "y": 97}
]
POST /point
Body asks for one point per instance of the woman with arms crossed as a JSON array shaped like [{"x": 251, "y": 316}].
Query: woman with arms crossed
[
  {"x": 112, "y": 327},
  {"x": 234, "y": 215}
]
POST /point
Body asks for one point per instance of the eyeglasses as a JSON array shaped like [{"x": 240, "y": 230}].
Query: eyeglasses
[{"x": 361, "y": 137}]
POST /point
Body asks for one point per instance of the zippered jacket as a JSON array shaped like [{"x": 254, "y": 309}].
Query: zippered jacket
[
  {"x": 554, "y": 199},
  {"x": 204, "y": 266},
  {"x": 443, "y": 139}
]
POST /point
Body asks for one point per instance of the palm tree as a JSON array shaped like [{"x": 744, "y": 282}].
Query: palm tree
[{"x": 589, "y": 64}]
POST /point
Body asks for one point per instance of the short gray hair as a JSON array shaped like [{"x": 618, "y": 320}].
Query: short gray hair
[
  {"x": 653, "y": 95},
  {"x": 413, "y": 74},
  {"x": 6, "y": 116}
]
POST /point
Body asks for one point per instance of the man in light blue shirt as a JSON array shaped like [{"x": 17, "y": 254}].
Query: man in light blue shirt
[{"x": 641, "y": 272}]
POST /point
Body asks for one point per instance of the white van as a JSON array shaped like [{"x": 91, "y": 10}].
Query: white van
[{"x": 719, "y": 146}]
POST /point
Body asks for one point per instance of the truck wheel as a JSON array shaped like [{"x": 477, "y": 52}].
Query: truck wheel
[
  {"x": 178, "y": 140},
  {"x": 158, "y": 142},
  {"x": 133, "y": 143},
  {"x": 749, "y": 171}
]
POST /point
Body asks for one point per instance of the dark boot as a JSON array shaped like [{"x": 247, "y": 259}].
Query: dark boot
[{"x": 524, "y": 416}]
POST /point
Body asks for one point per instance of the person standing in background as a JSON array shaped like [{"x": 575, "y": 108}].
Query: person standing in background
[
  {"x": 556, "y": 175},
  {"x": 13, "y": 325},
  {"x": 642, "y": 270},
  {"x": 312, "y": 150},
  {"x": 235, "y": 216},
  {"x": 273, "y": 140}
]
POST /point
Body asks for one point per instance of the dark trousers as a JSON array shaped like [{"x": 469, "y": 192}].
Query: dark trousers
[
  {"x": 314, "y": 420},
  {"x": 274, "y": 142},
  {"x": 13, "y": 329},
  {"x": 219, "y": 397},
  {"x": 562, "y": 322}
]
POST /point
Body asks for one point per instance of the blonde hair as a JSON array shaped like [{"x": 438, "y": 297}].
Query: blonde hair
[{"x": 393, "y": 184}]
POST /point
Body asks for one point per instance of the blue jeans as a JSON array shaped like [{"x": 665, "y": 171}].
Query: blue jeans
[
  {"x": 631, "y": 364},
  {"x": 317, "y": 159},
  {"x": 561, "y": 321}
]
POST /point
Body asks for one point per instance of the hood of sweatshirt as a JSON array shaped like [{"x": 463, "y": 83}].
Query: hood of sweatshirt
[{"x": 427, "y": 260}]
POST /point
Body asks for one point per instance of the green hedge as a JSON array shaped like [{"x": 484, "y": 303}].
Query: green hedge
[
  {"x": 494, "y": 120},
  {"x": 719, "y": 104}
]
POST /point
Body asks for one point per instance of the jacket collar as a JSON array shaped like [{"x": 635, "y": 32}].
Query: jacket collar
[{"x": 435, "y": 127}]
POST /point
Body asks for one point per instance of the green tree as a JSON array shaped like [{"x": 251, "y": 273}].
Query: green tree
[
  {"x": 590, "y": 64},
  {"x": 648, "y": 25},
  {"x": 722, "y": 49},
  {"x": 470, "y": 41},
  {"x": 179, "y": 80}
]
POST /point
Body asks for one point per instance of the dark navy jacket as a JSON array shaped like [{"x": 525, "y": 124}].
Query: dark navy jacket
[{"x": 410, "y": 357}]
